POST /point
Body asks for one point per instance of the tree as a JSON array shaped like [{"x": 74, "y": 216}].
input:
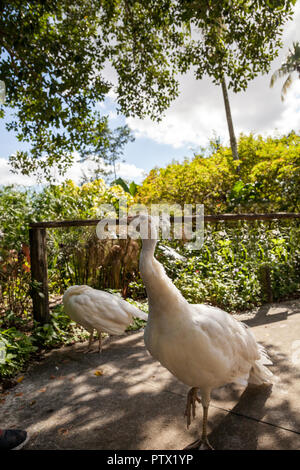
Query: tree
[
  {"x": 232, "y": 137},
  {"x": 54, "y": 54},
  {"x": 228, "y": 38},
  {"x": 51, "y": 66},
  {"x": 106, "y": 154},
  {"x": 291, "y": 64},
  {"x": 222, "y": 38},
  {"x": 233, "y": 143}
]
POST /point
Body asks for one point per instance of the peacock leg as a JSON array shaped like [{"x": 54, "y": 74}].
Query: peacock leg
[
  {"x": 190, "y": 409},
  {"x": 90, "y": 342},
  {"x": 100, "y": 342},
  {"x": 203, "y": 443}
]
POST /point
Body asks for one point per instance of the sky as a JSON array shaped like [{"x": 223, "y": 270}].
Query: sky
[{"x": 194, "y": 117}]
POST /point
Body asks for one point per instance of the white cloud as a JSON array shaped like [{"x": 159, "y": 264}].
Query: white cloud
[
  {"x": 113, "y": 115},
  {"x": 124, "y": 170},
  {"x": 190, "y": 120},
  {"x": 7, "y": 177},
  {"x": 199, "y": 109},
  {"x": 290, "y": 117},
  {"x": 130, "y": 172}
]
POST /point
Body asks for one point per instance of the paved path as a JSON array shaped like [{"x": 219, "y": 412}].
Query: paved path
[{"x": 134, "y": 403}]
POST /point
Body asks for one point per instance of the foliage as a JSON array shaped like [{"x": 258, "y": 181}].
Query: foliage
[
  {"x": 227, "y": 270},
  {"x": 49, "y": 56},
  {"x": 158, "y": 38},
  {"x": 268, "y": 179},
  {"x": 76, "y": 255},
  {"x": 70, "y": 201},
  {"x": 292, "y": 64},
  {"x": 105, "y": 156},
  {"x": 131, "y": 189},
  {"x": 271, "y": 168},
  {"x": 18, "y": 349},
  {"x": 54, "y": 55},
  {"x": 20, "y": 346},
  {"x": 68, "y": 254},
  {"x": 60, "y": 330},
  {"x": 14, "y": 266},
  {"x": 138, "y": 323},
  {"x": 55, "y": 202},
  {"x": 19, "y": 207},
  {"x": 15, "y": 283},
  {"x": 202, "y": 180},
  {"x": 237, "y": 39},
  {"x": 15, "y": 210}
]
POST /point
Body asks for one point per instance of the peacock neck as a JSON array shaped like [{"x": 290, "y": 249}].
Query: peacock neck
[
  {"x": 147, "y": 263},
  {"x": 161, "y": 291}
]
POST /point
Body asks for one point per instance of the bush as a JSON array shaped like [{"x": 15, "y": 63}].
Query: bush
[
  {"x": 226, "y": 272},
  {"x": 268, "y": 179},
  {"x": 18, "y": 349}
]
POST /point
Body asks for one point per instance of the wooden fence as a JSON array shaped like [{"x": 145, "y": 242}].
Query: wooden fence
[{"x": 38, "y": 250}]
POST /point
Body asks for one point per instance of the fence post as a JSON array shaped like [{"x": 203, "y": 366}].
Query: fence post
[
  {"x": 266, "y": 283},
  {"x": 39, "y": 274}
]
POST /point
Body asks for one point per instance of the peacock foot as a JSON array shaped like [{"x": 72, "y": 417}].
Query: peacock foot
[
  {"x": 199, "y": 444},
  {"x": 99, "y": 351},
  {"x": 88, "y": 351},
  {"x": 190, "y": 409}
]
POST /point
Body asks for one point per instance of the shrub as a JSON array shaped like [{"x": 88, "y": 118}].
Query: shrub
[
  {"x": 268, "y": 178},
  {"x": 226, "y": 272}
]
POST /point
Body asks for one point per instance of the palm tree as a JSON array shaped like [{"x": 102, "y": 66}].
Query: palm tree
[
  {"x": 233, "y": 143},
  {"x": 291, "y": 64}
]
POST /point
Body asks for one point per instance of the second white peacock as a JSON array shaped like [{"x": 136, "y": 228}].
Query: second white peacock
[
  {"x": 203, "y": 346},
  {"x": 98, "y": 310}
]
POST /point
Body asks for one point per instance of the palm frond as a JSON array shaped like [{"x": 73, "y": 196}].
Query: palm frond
[
  {"x": 274, "y": 78},
  {"x": 296, "y": 52},
  {"x": 291, "y": 64},
  {"x": 286, "y": 86},
  {"x": 284, "y": 69}
]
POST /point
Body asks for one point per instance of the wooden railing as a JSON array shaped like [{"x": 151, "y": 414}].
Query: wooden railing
[{"x": 38, "y": 250}]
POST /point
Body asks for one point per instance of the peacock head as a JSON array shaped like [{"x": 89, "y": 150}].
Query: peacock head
[{"x": 148, "y": 228}]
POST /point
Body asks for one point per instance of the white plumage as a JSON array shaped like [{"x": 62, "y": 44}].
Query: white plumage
[
  {"x": 203, "y": 346},
  {"x": 98, "y": 310}
]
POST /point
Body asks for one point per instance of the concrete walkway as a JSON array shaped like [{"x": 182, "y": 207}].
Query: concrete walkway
[{"x": 123, "y": 399}]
